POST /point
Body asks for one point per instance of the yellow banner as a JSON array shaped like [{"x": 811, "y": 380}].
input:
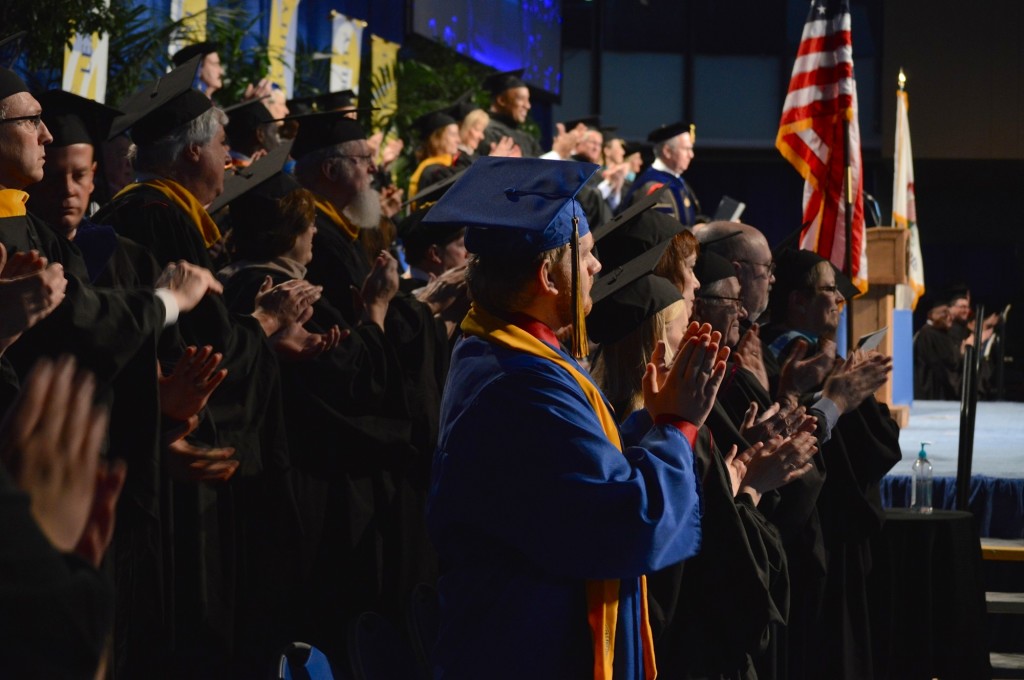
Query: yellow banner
[
  {"x": 85, "y": 66},
  {"x": 284, "y": 15},
  {"x": 385, "y": 88},
  {"x": 346, "y": 52},
  {"x": 192, "y": 15}
]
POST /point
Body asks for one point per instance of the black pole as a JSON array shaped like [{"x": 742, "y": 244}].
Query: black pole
[
  {"x": 848, "y": 214},
  {"x": 964, "y": 452},
  {"x": 596, "y": 51}
]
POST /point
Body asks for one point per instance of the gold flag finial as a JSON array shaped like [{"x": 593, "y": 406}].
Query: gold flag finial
[{"x": 902, "y": 79}]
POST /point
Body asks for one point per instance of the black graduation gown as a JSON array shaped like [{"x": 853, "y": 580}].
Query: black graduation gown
[
  {"x": 421, "y": 343},
  {"x": 936, "y": 365},
  {"x": 55, "y": 609},
  {"x": 502, "y": 125},
  {"x": 863, "y": 447},
  {"x": 710, "y": 614},
  {"x": 231, "y": 541},
  {"x": 352, "y": 437},
  {"x": 792, "y": 509}
]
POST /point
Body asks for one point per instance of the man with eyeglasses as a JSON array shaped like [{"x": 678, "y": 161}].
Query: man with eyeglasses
[
  {"x": 747, "y": 248},
  {"x": 829, "y": 632}
]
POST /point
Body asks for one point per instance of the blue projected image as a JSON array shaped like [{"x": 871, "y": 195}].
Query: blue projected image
[{"x": 505, "y": 34}]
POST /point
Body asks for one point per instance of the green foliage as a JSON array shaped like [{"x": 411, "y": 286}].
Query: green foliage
[
  {"x": 138, "y": 42},
  {"x": 51, "y": 24},
  {"x": 429, "y": 77}
]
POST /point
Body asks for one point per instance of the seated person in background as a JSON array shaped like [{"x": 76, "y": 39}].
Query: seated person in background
[
  {"x": 543, "y": 520},
  {"x": 936, "y": 356}
]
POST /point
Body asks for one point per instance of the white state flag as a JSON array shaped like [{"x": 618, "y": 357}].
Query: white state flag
[{"x": 904, "y": 211}]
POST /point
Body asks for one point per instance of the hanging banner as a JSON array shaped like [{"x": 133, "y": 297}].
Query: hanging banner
[
  {"x": 385, "y": 87},
  {"x": 85, "y": 66},
  {"x": 192, "y": 15},
  {"x": 346, "y": 51},
  {"x": 284, "y": 22}
]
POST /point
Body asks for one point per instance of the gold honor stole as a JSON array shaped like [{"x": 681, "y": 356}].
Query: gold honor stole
[
  {"x": 326, "y": 208},
  {"x": 12, "y": 203},
  {"x": 183, "y": 198},
  {"x": 445, "y": 159},
  {"x": 602, "y": 594}
]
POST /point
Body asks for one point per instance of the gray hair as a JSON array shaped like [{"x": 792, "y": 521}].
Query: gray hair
[
  {"x": 157, "y": 157},
  {"x": 670, "y": 143},
  {"x": 307, "y": 168}
]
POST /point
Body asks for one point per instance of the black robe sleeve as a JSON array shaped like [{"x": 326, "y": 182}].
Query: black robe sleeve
[
  {"x": 56, "y": 611},
  {"x": 711, "y": 613}
]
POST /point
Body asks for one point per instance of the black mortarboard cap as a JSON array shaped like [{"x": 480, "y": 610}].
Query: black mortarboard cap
[
  {"x": 300, "y": 106},
  {"x": 711, "y": 267},
  {"x": 626, "y": 296},
  {"x": 634, "y": 209},
  {"x": 434, "y": 191},
  {"x": 428, "y": 122},
  {"x": 590, "y": 122},
  {"x": 247, "y": 179},
  {"x": 462, "y": 106},
  {"x": 332, "y": 101},
  {"x": 417, "y": 236},
  {"x": 75, "y": 120},
  {"x": 199, "y": 49},
  {"x": 320, "y": 130},
  {"x": 496, "y": 83},
  {"x": 638, "y": 235},
  {"x": 10, "y": 83},
  {"x": 666, "y": 132},
  {"x": 792, "y": 266},
  {"x": 516, "y": 206},
  {"x": 162, "y": 106},
  {"x": 244, "y": 118}
]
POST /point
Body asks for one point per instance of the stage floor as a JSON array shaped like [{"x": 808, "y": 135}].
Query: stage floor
[{"x": 998, "y": 438}]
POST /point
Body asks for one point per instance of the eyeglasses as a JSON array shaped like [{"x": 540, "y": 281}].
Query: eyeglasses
[
  {"x": 770, "y": 266},
  {"x": 367, "y": 159},
  {"x": 735, "y": 302},
  {"x": 37, "y": 120}
]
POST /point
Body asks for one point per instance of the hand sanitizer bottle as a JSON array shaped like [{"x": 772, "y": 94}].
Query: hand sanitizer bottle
[{"x": 921, "y": 483}]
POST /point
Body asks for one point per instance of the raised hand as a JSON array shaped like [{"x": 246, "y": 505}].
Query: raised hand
[
  {"x": 691, "y": 386},
  {"x": 379, "y": 288},
  {"x": 295, "y": 343},
  {"x": 504, "y": 148},
  {"x": 391, "y": 200},
  {"x": 800, "y": 373},
  {"x": 189, "y": 283},
  {"x": 776, "y": 421},
  {"x": 99, "y": 527},
  {"x": 281, "y": 306},
  {"x": 856, "y": 379},
  {"x": 187, "y": 462},
  {"x": 51, "y": 444},
  {"x": 747, "y": 355},
  {"x": 186, "y": 390},
  {"x": 30, "y": 289}
]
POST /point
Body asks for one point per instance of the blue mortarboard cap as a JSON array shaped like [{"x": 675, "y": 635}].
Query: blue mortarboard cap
[{"x": 516, "y": 206}]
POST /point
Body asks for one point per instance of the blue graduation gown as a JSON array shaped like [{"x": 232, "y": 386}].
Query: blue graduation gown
[
  {"x": 528, "y": 500},
  {"x": 683, "y": 204}
]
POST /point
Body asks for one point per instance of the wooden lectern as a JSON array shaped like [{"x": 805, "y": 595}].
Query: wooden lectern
[{"x": 887, "y": 267}]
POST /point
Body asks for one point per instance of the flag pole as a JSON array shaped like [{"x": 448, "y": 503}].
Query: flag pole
[{"x": 848, "y": 265}]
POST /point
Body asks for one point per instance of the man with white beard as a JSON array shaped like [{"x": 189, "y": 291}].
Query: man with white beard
[{"x": 334, "y": 161}]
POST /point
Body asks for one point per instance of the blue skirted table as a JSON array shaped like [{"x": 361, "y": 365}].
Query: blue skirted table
[
  {"x": 927, "y": 599},
  {"x": 997, "y": 503}
]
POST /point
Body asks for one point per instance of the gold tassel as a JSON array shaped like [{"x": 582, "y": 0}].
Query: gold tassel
[{"x": 580, "y": 345}]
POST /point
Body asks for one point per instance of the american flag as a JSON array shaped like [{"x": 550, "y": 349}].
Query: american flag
[{"x": 822, "y": 96}]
